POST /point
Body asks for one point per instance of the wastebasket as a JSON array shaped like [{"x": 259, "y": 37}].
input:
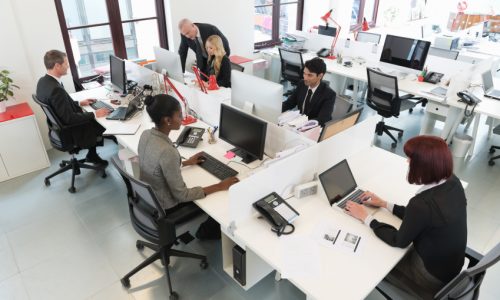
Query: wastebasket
[{"x": 461, "y": 144}]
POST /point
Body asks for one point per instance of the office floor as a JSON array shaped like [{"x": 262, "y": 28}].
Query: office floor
[{"x": 57, "y": 245}]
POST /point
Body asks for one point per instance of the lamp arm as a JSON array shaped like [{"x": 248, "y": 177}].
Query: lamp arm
[
  {"x": 166, "y": 80},
  {"x": 336, "y": 34}
]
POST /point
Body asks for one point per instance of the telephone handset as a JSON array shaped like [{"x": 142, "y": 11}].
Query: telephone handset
[
  {"x": 433, "y": 77},
  {"x": 468, "y": 98},
  {"x": 277, "y": 212},
  {"x": 190, "y": 137}
]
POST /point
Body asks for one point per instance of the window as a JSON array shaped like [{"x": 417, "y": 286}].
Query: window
[
  {"x": 94, "y": 29},
  {"x": 363, "y": 9},
  {"x": 273, "y": 18}
]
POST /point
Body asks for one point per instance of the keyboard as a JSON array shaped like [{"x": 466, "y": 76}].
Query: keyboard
[
  {"x": 99, "y": 104},
  {"x": 354, "y": 197},
  {"x": 216, "y": 167}
]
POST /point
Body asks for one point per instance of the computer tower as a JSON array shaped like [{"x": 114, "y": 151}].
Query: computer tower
[{"x": 239, "y": 265}]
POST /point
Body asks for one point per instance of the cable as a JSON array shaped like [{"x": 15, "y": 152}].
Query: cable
[{"x": 245, "y": 165}]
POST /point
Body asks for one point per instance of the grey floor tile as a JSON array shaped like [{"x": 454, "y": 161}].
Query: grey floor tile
[
  {"x": 112, "y": 292},
  {"x": 8, "y": 266},
  {"x": 13, "y": 288}
]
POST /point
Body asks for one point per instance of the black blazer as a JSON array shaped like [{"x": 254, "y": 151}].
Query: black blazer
[
  {"x": 321, "y": 106},
  {"x": 224, "y": 77},
  {"x": 206, "y": 30},
  {"x": 69, "y": 112}
]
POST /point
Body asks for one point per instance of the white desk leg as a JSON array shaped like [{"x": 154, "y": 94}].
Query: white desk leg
[
  {"x": 474, "y": 134},
  {"x": 428, "y": 123},
  {"x": 453, "y": 119},
  {"x": 277, "y": 276},
  {"x": 355, "y": 90}
]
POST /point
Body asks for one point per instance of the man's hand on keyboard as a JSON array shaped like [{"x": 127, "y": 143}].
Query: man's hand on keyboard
[
  {"x": 101, "y": 112},
  {"x": 87, "y": 102},
  {"x": 194, "y": 160}
]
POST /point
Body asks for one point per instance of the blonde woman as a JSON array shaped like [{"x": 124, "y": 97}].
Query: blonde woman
[{"x": 218, "y": 62}]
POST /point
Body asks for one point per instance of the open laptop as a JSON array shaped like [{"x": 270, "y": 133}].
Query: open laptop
[
  {"x": 125, "y": 112},
  {"x": 489, "y": 89},
  {"x": 340, "y": 186}
]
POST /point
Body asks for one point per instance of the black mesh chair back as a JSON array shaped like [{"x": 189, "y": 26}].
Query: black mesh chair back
[
  {"x": 60, "y": 138},
  {"x": 383, "y": 94},
  {"x": 237, "y": 67},
  {"x": 292, "y": 65}
]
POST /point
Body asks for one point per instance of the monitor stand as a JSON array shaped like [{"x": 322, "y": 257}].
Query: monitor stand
[{"x": 245, "y": 156}]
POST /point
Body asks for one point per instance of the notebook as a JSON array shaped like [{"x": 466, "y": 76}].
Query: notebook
[{"x": 489, "y": 88}]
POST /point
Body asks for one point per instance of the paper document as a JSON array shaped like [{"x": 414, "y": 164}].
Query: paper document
[
  {"x": 121, "y": 128},
  {"x": 301, "y": 257}
]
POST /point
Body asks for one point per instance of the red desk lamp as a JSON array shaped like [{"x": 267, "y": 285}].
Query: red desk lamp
[
  {"x": 327, "y": 17},
  {"x": 212, "y": 81},
  {"x": 188, "y": 119}
]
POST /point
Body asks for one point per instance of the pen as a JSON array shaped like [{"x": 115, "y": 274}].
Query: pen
[{"x": 215, "y": 129}]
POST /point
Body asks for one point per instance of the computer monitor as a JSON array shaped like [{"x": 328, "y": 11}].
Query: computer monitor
[
  {"x": 327, "y": 30},
  {"x": 118, "y": 75},
  {"x": 333, "y": 127},
  {"x": 170, "y": 62},
  {"x": 245, "y": 132},
  {"x": 257, "y": 96},
  {"x": 405, "y": 52}
]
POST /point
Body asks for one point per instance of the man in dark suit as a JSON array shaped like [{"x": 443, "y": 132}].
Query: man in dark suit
[
  {"x": 194, "y": 36},
  {"x": 313, "y": 97},
  {"x": 50, "y": 90}
]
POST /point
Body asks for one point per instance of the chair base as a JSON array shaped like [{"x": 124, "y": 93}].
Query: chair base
[
  {"x": 75, "y": 165},
  {"x": 491, "y": 162},
  {"x": 164, "y": 253},
  {"x": 383, "y": 128}
]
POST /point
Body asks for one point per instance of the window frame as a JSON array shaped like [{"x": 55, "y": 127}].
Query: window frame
[
  {"x": 115, "y": 24},
  {"x": 276, "y": 6},
  {"x": 361, "y": 12}
]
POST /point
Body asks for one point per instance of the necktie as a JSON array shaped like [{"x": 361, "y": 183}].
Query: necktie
[
  {"x": 62, "y": 85},
  {"x": 306, "y": 102},
  {"x": 199, "y": 47}
]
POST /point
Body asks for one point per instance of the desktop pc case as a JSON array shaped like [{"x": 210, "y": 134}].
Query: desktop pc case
[{"x": 239, "y": 265}]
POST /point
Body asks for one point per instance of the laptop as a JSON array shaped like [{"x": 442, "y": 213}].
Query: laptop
[
  {"x": 125, "y": 112},
  {"x": 340, "y": 186},
  {"x": 489, "y": 90}
]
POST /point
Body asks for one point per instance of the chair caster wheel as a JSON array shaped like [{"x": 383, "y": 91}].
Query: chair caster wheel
[
  {"x": 104, "y": 175},
  {"x": 125, "y": 282},
  {"x": 62, "y": 165},
  {"x": 203, "y": 264},
  {"x": 400, "y": 134},
  {"x": 139, "y": 245},
  {"x": 173, "y": 296},
  {"x": 393, "y": 145},
  {"x": 492, "y": 150},
  {"x": 411, "y": 110},
  {"x": 47, "y": 182},
  {"x": 72, "y": 190},
  {"x": 491, "y": 163}
]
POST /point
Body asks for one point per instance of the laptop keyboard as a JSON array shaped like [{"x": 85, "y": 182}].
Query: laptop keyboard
[
  {"x": 216, "y": 167},
  {"x": 99, "y": 104},
  {"x": 495, "y": 93},
  {"x": 354, "y": 197}
]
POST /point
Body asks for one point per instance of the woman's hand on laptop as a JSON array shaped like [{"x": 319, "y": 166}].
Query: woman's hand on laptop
[
  {"x": 370, "y": 198},
  {"x": 356, "y": 210}
]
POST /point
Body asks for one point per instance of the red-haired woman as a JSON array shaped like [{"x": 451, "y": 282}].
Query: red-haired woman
[{"x": 435, "y": 220}]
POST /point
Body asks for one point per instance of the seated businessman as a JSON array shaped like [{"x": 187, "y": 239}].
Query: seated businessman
[
  {"x": 194, "y": 36},
  {"x": 50, "y": 90},
  {"x": 312, "y": 97}
]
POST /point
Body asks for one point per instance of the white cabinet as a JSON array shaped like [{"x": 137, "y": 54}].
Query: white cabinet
[{"x": 21, "y": 146}]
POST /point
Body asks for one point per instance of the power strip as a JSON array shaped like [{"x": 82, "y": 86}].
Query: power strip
[{"x": 305, "y": 189}]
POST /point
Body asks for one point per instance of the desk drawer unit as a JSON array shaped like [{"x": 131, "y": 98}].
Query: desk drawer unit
[{"x": 437, "y": 108}]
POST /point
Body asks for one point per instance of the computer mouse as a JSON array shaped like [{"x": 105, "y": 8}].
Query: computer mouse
[{"x": 116, "y": 102}]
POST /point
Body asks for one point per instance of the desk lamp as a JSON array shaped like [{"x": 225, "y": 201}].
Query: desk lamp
[
  {"x": 188, "y": 119},
  {"x": 326, "y": 18},
  {"x": 212, "y": 81}
]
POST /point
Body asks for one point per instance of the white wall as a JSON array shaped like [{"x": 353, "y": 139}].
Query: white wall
[{"x": 233, "y": 18}]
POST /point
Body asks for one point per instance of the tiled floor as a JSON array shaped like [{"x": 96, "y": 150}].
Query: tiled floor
[{"x": 56, "y": 245}]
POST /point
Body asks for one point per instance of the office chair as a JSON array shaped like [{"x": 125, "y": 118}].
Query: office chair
[
  {"x": 237, "y": 67},
  {"x": 383, "y": 97},
  {"x": 341, "y": 108},
  {"x": 292, "y": 66},
  {"x": 491, "y": 162},
  {"x": 61, "y": 139},
  {"x": 368, "y": 37},
  {"x": 151, "y": 222},
  {"x": 465, "y": 286},
  {"x": 450, "y": 54}
]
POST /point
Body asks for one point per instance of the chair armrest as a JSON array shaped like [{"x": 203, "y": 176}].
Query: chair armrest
[{"x": 473, "y": 256}]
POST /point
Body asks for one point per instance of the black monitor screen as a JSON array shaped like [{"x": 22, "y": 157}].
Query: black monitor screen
[
  {"x": 405, "y": 52},
  {"x": 243, "y": 131},
  {"x": 118, "y": 75},
  {"x": 327, "y": 30}
]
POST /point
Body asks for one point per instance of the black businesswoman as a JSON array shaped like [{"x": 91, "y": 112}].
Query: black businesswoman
[
  {"x": 434, "y": 220},
  {"x": 313, "y": 97},
  {"x": 160, "y": 162}
]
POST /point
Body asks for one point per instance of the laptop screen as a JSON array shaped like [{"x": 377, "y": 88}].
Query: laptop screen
[
  {"x": 487, "y": 81},
  {"x": 338, "y": 181}
]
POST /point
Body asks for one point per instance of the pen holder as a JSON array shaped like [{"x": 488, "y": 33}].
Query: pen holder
[{"x": 211, "y": 136}]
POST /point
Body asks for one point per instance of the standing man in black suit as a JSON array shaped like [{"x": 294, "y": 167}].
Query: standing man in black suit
[
  {"x": 194, "y": 36},
  {"x": 313, "y": 97},
  {"x": 50, "y": 90}
]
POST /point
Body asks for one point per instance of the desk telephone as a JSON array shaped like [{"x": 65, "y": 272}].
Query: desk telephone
[
  {"x": 277, "y": 212},
  {"x": 433, "y": 77},
  {"x": 468, "y": 98},
  {"x": 190, "y": 137}
]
